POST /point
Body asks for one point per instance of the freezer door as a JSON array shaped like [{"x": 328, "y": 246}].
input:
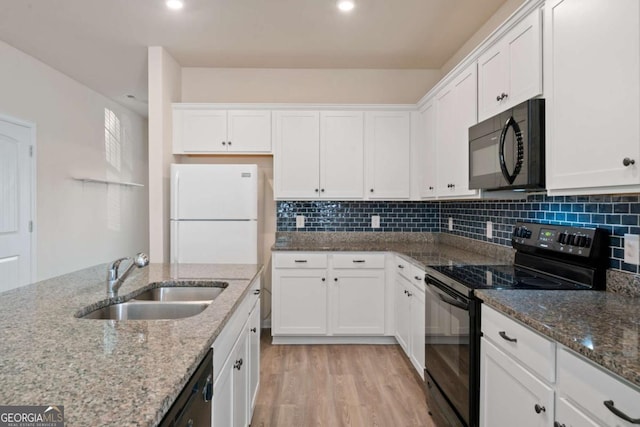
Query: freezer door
[
  {"x": 214, "y": 192},
  {"x": 219, "y": 242}
]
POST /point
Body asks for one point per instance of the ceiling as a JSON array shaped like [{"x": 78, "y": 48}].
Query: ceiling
[{"x": 102, "y": 43}]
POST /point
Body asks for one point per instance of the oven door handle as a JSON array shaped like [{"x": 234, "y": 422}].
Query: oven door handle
[{"x": 448, "y": 299}]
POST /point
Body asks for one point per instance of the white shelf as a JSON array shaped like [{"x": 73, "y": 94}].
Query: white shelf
[{"x": 103, "y": 181}]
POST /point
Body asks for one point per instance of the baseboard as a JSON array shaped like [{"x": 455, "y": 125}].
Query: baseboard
[
  {"x": 292, "y": 340},
  {"x": 266, "y": 323}
]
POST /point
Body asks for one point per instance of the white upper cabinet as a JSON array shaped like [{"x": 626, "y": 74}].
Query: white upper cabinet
[
  {"x": 427, "y": 152},
  {"x": 341, "y": 154},
  {"x": 297, "y": 157},
  {"x": 592, "y": 76},
  {"x": 510, "y": 72},
  {"x": 205, "y": 130},
  {"x": 319, "y": 155},
  {"x": 388, "y": 148},
  {"x": 455, "y": 113}
]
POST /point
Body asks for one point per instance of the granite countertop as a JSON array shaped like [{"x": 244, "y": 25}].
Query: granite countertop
[
  {"x": 602, "y": 326},
  {"x": 108, "y": 372}
]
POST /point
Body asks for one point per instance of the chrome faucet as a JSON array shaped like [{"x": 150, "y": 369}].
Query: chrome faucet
[{"x": 114, "y": 281}]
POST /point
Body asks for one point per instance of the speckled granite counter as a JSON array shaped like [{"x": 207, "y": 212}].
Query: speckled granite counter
[
  {"x": 602, "y": 326},
  {"x": 104, "y": 372},
  {"x": 423, "y": 248}
]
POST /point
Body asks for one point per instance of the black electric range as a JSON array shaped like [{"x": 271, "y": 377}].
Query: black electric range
[{"x": 548, "y": 257}]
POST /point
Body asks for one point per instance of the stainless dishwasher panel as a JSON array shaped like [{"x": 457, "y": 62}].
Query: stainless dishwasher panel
[{"x": 192, "y": 408}]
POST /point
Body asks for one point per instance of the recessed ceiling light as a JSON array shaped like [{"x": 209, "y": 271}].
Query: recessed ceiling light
[
  {"x": 175, "y": 4},
  {"x": 346, "y": 5}
]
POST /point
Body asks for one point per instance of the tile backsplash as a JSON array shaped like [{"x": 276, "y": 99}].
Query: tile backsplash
[{"x": 619, "y": 214}]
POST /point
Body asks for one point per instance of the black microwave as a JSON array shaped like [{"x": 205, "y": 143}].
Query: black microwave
[{"x": 506, "y": 152}]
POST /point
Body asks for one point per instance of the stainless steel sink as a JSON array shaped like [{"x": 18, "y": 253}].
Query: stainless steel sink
[
  {"x": 141, "y": 310},
  {"x": 182, "y": 293}
]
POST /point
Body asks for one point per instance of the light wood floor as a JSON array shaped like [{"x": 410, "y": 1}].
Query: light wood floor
[{"x": 337, "y": 385}]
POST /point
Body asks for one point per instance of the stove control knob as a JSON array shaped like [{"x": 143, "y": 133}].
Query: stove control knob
[
  {"x": 570, "y": 239},
  {"x": 581, "y": 241},
  {"x": 528, "y": 234},
  {"x": 562, "y": 238},
  {"x": 516, "y": 232},
  {"x": 587, "y": 242}
]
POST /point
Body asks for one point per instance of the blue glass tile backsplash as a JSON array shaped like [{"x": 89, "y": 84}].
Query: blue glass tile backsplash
[{"x": 619, "y": 214}]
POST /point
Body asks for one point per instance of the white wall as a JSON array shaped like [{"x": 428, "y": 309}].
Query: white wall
[
  {"x": 349, "y": 86},
  {"x": 164, "y": 88},
  {"x": 77, "y": 224}
]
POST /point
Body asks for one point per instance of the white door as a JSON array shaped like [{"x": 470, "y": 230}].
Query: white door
[
  {"x": 524, "y": 44},
  {"x": 403, "y": 314},
  {"x": 16, "y": 175},
  {"x": 493, "y": 82},
  {"x": 417, "y": 339},
  {"x": 427, "y": 159},
  {"x": 202, "y": 192},
  {"x": 388, "y": 147},
  {"x": 341, "y": 154},
  {"x": 299, "y": 302},
  {"x": 240, "y": 382},
  {"x": 568, "y": 415},
  {"x": 204, "y": 131},
  {"x": 218, "y": 242},
  {"x": 297, "y": 155},
  {"x": 358, "y": 302},
  {"x": 249, "y": 131},
  {"x": 254, "y": 356}
]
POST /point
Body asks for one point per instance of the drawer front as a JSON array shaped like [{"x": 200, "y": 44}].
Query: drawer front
[
  {"x": 532, "y": 349},
  {"x": 411, "y": 272},
  {"x": 300, "y": 260},
  {"x": 358, "y": 260},
  {"x": 589, "y": 387}
]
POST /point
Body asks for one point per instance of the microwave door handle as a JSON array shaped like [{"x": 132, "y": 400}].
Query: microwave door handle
[{"x": 511, "y": 177}]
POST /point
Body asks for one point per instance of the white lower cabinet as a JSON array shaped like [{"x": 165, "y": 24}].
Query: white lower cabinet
[
  {"x": 328, "y": 294},
  {"x": 511, "y": 395},
  {"x": 527, "y": 379},
  {"x": 236, "y": 365}
]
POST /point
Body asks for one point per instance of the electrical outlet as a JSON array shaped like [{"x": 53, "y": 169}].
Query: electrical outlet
[
  {"x": 450, "y": 224},
  {"x": 299, "y": 221},
  {"x": 632, "y": 249},
  {"x": 489, "y": 230},
  {"x": 375, "y": 221}
]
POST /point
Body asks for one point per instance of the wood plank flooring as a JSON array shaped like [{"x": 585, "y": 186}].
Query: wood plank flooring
[{"x": 337, "y": 385}]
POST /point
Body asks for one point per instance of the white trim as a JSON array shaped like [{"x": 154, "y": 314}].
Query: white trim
[
  {"x": 306, "y": 340},
  {"x": 297, "y": 107},
  {"x": 34, "y": 166}
]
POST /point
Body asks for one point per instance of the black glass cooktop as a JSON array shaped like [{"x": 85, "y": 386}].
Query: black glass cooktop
[{"x": 504, "y": 277}]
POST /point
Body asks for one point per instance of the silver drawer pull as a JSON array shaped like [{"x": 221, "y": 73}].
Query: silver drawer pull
[
  {"x": 301, "y": 260},
  {"x": 619, "y": 413},
  {"x": 504, "y": 335},
  {"x": 360, "y": 261}
]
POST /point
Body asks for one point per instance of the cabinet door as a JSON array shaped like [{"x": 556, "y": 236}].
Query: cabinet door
[
  {"x": 299, "y": 302},
  {"x": 427, "y": 149},
  {"x": 388, "y": 147},
  {"x": 524, "y": 50},
  {"x": 240, "y": 382},
  {"x": 568, "y": 415},
  {"x": 223, "y": 395},
  {"x": 493, "y": 68},
  {"x": 417, "y": 299},
  {"x": 510, "y": 394},
  {"x": 357, "y": 303},
  {"x": 403, "y": 315},
  {"x": 446, "y": 150},
  {"x": 203, "y": 131},
  {"x": 249, "y": 131},
  {"x": 592, "y": 76},
  {"x": 254, "y": 356},
  {"x": 341, "y": 155},
  {"x": 297, "y": 155}
]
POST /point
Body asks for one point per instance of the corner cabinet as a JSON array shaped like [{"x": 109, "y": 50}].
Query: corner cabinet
[
  {"x": 204, "y": 130},
  {"x": 455, "y": 112},
  {"x": 236, "y": 364},
  {"x": 510, "y": 72},
  {"x": 319, "y": 155},
  {"x": 592, "y": 81},
  {"x": 328, "y": 295},
  {"x": 388, "y": 146}
]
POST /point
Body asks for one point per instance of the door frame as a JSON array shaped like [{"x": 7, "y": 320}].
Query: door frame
[{"x": 32, "y": 188}]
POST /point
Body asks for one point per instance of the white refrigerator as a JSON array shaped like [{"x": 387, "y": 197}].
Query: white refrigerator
[{"x": 214, "y": 212}]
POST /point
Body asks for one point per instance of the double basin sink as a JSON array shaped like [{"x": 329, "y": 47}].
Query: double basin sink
[{"x": 163, "y": 302}]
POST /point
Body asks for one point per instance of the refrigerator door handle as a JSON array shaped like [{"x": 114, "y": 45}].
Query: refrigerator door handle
[{"x": 176, "y": 245}]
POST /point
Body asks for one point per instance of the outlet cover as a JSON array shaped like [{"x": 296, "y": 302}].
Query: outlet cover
[
  {"x": 632, "y": 249},
  {"x": 450, "y": 224},
  {"x": 375, "y": 221},
  {"x": 489, "y": 230},
  {"x": 299, "y": 221}
]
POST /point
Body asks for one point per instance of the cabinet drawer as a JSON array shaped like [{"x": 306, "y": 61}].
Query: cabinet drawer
[
  {"x": 410, "y": 272},
  {"x": 527, "y": 346},
  {"x": 589, "y": 386},
  {"x": 300, "y": 260},
  {"x": 358, "y": 260}
]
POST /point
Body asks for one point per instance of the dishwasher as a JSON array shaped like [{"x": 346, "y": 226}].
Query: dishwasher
[{"x": 192, "y": 407}]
